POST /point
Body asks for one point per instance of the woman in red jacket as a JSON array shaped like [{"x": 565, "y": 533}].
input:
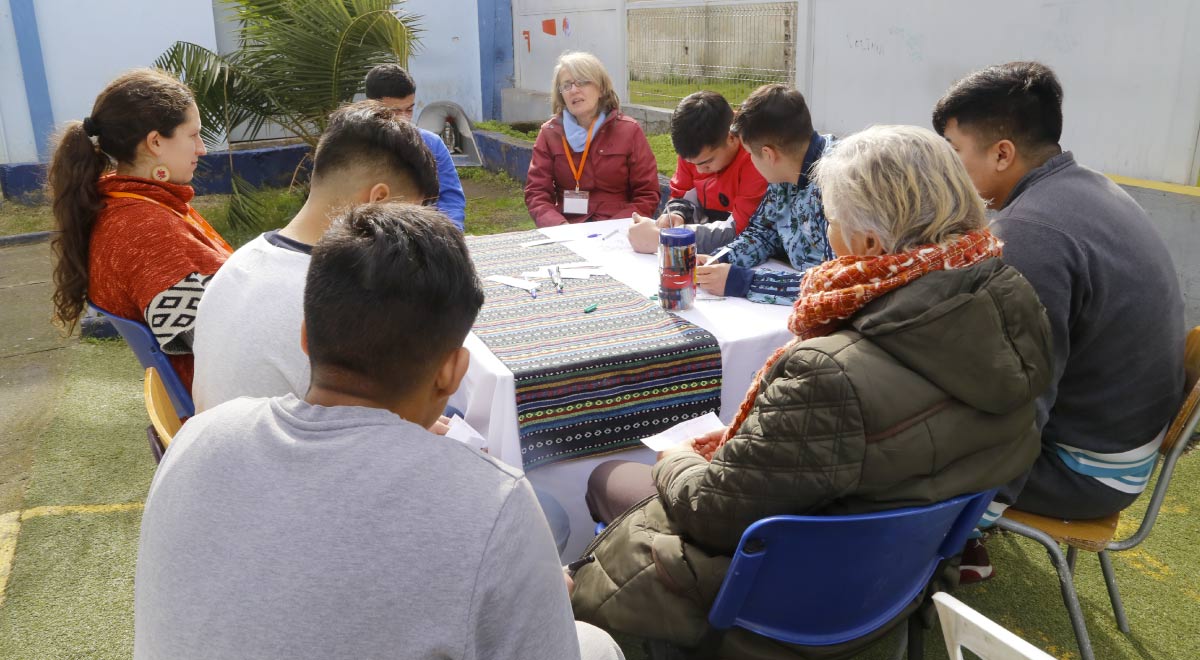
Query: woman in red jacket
[
  {"x": 590, "y": 162},
  {"x": 127, "y": 237}
]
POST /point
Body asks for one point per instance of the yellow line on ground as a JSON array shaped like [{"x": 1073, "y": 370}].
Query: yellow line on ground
[
  {"x": 40, "y": 511},
  {"x": 1193, "y": 191},
  {"x": 10, "y": 525},
  {"x": 10, "y": 528}
]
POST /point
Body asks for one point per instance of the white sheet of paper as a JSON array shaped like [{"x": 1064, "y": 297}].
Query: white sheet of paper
[
  {"x": 460, "y": 430},
  {"x": 692, "y": 428},
  {"x": 547, "y": 241},
  {"x": 513, "y": 281}
]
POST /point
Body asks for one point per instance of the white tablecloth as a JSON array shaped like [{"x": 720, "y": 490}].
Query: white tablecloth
[{"x": 747, "y": 333}]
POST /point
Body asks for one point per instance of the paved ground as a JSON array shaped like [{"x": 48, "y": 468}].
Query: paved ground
[{"x": 31, "y": 362}]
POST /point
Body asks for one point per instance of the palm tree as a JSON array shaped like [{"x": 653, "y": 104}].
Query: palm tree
[{"x": 297, "y": 61}]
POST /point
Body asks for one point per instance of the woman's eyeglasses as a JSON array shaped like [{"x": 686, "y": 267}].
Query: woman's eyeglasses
[{"x": 566, "y": 85}]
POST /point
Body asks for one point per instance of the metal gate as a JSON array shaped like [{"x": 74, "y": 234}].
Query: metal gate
[{"x": 729, "y": 48}]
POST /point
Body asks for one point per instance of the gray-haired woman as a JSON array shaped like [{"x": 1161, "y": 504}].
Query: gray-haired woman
[{"x": 912, "y": 379}]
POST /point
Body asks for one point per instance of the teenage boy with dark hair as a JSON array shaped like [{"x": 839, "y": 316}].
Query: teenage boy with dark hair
[
  {"x": 247, "y": 338},
  {"x": 334, "y": 525},
  {"x": 715, "y": 185},
  {"x": 391, "y": 85},
  {"x": 776, "y": 130},
  {"x": 1107, "y": 282}
]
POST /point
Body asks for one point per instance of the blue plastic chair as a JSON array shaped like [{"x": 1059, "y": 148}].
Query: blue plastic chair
[
  {"x": 824, "y": 580},
  {"x": 146, "y": 348}
]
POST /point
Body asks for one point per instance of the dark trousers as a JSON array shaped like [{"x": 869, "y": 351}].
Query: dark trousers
[
  {"x": 1052, "y": 489},
  {"x": 615, "y": 486}
]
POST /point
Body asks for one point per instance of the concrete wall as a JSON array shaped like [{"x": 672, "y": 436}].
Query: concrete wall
[
  {"x": 80, "y": 61},
  {"x": 1130, "y": 70},
  {"x": 496, "y": 64},
  {"x": 447, "y": 66},
  {"x": 17, "y": 142},
  {"x": 66, "y": 51},
  {"x": 1177, "y": 218},
  {"x": 544, "y": 29}
]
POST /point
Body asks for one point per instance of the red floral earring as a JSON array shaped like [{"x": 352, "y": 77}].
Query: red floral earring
[{"x": 161, "y": 173}]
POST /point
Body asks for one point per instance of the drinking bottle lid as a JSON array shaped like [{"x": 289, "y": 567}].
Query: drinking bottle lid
[{"x": 677, "y": 237}]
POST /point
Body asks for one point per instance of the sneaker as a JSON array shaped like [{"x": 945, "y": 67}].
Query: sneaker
[{"x": 975, "y": 566}]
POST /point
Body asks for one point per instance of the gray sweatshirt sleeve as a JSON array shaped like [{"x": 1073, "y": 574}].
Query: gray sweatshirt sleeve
[
  {"x": 520, "y": 608},
  {"x": 715, "y": 235},
  {"x": 1052, "y": 262}
]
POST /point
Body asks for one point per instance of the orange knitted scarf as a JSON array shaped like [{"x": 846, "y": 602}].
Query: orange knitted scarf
[{"x": 836, "y": 290}]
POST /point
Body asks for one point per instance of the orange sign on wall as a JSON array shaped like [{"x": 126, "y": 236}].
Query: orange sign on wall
[{"x": 550, "y": 26}]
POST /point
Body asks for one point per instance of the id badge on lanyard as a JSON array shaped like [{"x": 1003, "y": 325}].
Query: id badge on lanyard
[{"x": 575, "y": 202}]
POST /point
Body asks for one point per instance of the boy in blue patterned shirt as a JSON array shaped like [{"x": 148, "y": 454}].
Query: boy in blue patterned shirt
[{"x": 776, "y": 128}]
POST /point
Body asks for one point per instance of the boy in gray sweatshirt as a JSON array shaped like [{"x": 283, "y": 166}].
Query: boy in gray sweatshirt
[
  {"x": 337, "y": 525},
  {"x": 1105, "y": 278}
]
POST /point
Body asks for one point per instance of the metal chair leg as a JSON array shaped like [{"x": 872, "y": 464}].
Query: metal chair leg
[
  {"x": 1071, "y": 552},
  {"x": 1114, "y": 595},
  {"x": 1065, "y": 581},
  {"x": 1071, "y": 599},
  {"x": 916, "y": 637},
  {"x": 901, "y": 644},
  {"x": 156, "y": 446}
]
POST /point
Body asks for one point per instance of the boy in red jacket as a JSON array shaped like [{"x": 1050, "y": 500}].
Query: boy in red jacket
[{"x": 715, "y": 184}]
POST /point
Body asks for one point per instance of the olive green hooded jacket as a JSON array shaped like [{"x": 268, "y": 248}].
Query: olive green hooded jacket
[{"x": 926, "y": 393}]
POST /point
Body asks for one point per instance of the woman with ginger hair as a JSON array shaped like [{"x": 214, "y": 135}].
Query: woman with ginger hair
[{"x": 912, "y": 379}]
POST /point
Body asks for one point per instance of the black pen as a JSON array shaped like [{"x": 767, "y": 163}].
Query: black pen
[{"x": 579, "y": 563}]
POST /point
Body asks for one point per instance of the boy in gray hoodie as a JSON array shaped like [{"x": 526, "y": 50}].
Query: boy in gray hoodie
[{"x": 1107, "y": 282}]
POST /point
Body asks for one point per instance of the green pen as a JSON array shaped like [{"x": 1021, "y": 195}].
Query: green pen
[{"x": 590, "y": 308}]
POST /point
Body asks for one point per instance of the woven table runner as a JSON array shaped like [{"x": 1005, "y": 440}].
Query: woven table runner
[{"x": 595, "y": 382}]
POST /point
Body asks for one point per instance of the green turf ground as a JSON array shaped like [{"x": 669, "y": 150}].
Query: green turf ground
[
  {"x": 70, "y": 591},
  {"x": 668, "y": 93}
]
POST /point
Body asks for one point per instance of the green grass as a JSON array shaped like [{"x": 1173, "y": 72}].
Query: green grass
[
  {"x": 660, "y": 144},
  {"x": 20, "y": 219},
  {"x": 668, "y": 93},
  {"x": 664, "y": 152},
  {"x": 495, "y": 202},
  {"x": 506, "y": 129},
  {"x": 279, "y": 205},
  {"x": 71, "y": 589},
  {"x": 70, "y": 593}
]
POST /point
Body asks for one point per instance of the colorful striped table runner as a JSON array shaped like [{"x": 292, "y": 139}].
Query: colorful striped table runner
[{"x": 589, "y": 383}]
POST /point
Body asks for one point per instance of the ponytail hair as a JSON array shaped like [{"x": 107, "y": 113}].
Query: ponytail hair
[{"x": 133, "y": 105}]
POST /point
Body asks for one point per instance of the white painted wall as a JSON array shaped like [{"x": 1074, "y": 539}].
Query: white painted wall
[
  {"x": 595, "y": 26},
  {"x": 17, "y": 143},
  {"x": 1130, "y": 70},
  {"x": 446, "y": 69},
  {"x": 447, "y": 66},
  {"x": 85, "y": 44}
]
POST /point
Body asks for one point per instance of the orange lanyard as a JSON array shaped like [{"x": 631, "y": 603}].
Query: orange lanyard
[
  {"x": 192, "y": 218},
  {"x": 582, "y": 159}
]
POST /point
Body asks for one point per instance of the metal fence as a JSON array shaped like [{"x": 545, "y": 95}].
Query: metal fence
[{"x": 731, "y": 49}]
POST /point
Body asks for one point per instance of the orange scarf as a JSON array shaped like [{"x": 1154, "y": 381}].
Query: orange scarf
[
  {"x": 836, "y": 290},
  {"x": 192, "y": 217}
]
